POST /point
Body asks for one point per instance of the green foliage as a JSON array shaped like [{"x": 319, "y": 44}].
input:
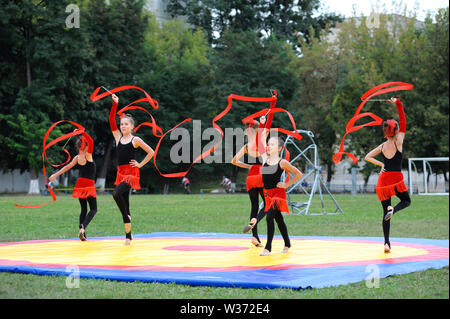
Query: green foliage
[
  {"x": 317, "y": 75},
  {"x": 287, "y": 18},
  {"x": 48, "y": 72},
  {"x": 41, "y": 61},
  {"x": 361, "y": 58},
  {"x": 243, "y": 64}
]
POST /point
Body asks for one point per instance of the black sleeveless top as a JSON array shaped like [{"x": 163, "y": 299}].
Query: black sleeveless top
[
  {"x": 125, "y": 152},
  {"x": 271, "y": 175},
  {"x": 393, "y": 164},
  {"x": 87, "y": 170},
  {"x": 251, "y": 160}
]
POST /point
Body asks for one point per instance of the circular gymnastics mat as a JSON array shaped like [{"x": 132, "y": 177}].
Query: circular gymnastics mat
[{"x": 224, "y": 260}]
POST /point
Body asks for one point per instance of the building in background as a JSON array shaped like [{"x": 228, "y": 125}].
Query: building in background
[{"x": 158, "y": 8}]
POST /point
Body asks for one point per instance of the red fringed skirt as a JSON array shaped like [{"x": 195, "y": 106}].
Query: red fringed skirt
[
  {"x": 276, "y": 198},
  {"x": 84, "y": 188},
  {"x": 254, "y": 177},
  {"x": 128, "y": 174},
  {"x": 389, "y": 183}
]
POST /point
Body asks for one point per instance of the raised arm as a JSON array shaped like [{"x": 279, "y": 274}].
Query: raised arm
[
  {"x": 237, "y": 162},
  {"x": 262, "y": 134},
  {"x": 284, "y": 164},
  {"x": 268, "y": 124},
  {"x": 112, "y": 119},
  {"x": 401, "y": 122},
  {"x": 64, "y": 169},
  {"x": 139, "y": 142}
]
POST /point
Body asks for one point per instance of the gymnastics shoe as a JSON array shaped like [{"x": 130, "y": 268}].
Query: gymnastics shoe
[
  {"x": 387, "y": 248},
  {"x": 256, "y": 242},
  {"x": 128, "y": 238},
  {"x": 249, "y": 226},
  {"x": 389, "y": 213},
  {"x": 82, "y": 235},
  {"x": 265, "y": 252},
  {"x": 285, "y": 250}
]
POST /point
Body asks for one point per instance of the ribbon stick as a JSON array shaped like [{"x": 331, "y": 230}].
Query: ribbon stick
[
  {"x": 156, "y": 130},
  {"x": 46, "y": 146},
  {"x": 377, "y": 90},
  {"x": 95, "y": 96},
  {"x": 106, "y": 89}
]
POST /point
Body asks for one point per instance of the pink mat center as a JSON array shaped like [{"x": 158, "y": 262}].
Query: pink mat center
[{"x": 205, "y": 248}]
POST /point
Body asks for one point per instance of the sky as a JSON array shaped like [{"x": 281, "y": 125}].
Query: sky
[{"x": 345, "y": 7}]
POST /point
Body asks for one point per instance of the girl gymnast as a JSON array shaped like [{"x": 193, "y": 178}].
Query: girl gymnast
[
  {"x": 128, "y": 168},
  {"x": 275, "y": 193},
  {"x": 84, "y": 188},
  {"x": 254, "y": 181},
  {"x": 390, "y": 182}
]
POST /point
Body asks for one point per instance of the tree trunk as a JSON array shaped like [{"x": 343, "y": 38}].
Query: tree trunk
[
  {"x": 329, "y": 172},
  {"x": 34, "y": 182},
  {"x": 101, "y": 179},
  {"x": 34, "y": 178},
  {"x": 234, "y": 173}
]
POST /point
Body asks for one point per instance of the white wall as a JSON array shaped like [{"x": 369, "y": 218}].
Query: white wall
[{"x": 15, "y": 182}]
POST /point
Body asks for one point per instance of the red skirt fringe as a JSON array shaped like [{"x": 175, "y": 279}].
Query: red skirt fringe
[
  {"x": 389, "y": 183},
  {"x": 128, "y": 174},
  {"x": 254, "y": 177},
  {"x": 276, "y": 198},
  {"x": 84, "y": 188}
]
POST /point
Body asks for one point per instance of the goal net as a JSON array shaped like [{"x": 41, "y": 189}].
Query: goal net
[{"x": 428, "y": 175}]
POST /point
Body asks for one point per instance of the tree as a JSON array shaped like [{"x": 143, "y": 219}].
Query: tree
[
  {"x": 179, "y": 60},
  {"x": 116, "y": 33},
  {"x": 398, "y": 50},
  {"x": 317, "y": 73},
  {"x": 243, "y": 64},
  {"x": 44, "y": 53},
  {"x": 287, "y": 18}
]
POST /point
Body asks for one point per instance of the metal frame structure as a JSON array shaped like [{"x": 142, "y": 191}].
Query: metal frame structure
[
  {"x": 302, "y": 208},
  {"x": 425, "y": 162}
]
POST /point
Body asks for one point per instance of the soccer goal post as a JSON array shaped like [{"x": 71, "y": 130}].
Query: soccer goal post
[{"x": 420, "y": 184}]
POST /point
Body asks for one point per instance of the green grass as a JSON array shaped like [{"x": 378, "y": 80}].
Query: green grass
[{"x": 427, "y": 217}]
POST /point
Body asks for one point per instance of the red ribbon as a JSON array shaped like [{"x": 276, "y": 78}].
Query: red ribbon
[
  {"x": 377, "y": 90},
  {"x": 250, "y": 119},
  {"x": 95, "y": 96},
  {"x": 46, "y": 146},
  {"x": 293, "y": 133},
  {"x": 156, "y": 130},
  {"x": 230, "y": 99},
  {"x": 180, "y": 174}
]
